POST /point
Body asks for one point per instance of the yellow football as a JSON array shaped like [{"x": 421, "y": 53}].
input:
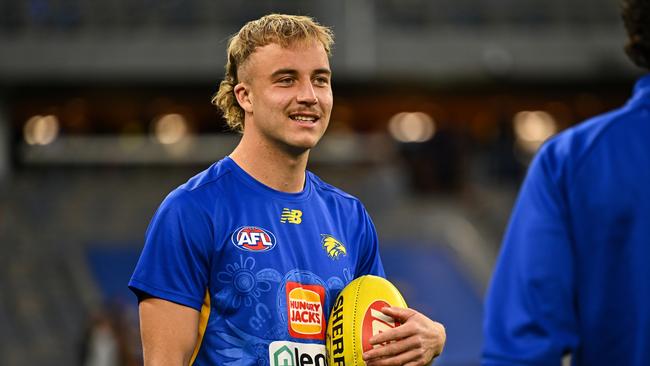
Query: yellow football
[{"x": 356, "y": 316}]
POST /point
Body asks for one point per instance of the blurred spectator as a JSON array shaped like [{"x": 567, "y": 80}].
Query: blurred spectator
[
  {"x": 100, "y": 343},
  {"x": 107, "y": 341},
  {"x": 572, "y": 277}
]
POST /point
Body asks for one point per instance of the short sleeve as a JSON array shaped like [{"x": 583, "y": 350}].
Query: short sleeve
[
  {"x": 369, "y": 259},
  {"x": 530, "y": 316},
  {"x": 174, "y": 264}
]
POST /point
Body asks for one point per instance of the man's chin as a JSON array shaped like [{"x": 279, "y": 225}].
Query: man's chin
[
  {"x": 301, "y": 146},
  {"x": 299, "y": 149}
]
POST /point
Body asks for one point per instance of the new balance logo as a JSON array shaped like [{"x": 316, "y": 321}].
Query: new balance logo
[{"x": 291, "y": 216}]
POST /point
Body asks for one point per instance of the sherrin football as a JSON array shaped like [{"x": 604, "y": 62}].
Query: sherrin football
[{"x": 356, "y": 316}]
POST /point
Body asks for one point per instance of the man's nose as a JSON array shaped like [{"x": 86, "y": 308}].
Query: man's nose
[{"x": 307, "y": 94}]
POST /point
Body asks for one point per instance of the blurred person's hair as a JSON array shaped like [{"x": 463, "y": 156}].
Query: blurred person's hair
[
  {"x": 636, "y": 17},
  {"x": 281, "y": 29}
]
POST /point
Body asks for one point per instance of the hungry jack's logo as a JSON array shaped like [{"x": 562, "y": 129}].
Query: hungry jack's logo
[
  {"x": 305, "y": 310},
  {"x": 333, "y": 246},
  {"x": 291, "y": 216}
]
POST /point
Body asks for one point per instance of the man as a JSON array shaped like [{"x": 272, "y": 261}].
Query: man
[
  {"x": 242, "y": 263},
  {"x": 573, "y": 280}
]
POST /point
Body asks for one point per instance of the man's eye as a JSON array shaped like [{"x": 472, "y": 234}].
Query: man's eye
[
  {"x": 286, "y": 81},
  {"x": 321, "y": 81}
]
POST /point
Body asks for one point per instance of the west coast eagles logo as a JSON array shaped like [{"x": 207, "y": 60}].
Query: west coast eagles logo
[{"x": 333, "y": 247}]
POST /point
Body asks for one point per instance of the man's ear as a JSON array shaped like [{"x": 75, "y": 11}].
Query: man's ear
[{"x": 242, "y": 94}]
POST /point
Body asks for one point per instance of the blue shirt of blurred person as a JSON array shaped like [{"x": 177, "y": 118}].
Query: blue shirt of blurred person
[{"x": 573, "y": 275}]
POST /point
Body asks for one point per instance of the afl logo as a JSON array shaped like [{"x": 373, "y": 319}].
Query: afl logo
[{"x": 253, "y": 239}]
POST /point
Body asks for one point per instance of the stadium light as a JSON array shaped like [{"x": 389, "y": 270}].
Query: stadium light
[
  {"x": 41, "y": 130},
  {"x": 532, "y": 128},
  {"x": 412, "y": 127},
  {"x": 170, "y": 128}
]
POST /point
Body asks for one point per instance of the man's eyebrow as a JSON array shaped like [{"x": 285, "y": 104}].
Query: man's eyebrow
[
  {"x": 294, "y": 72},
  {"x": 322, "y": 71},
  {"x": 279, "y": 72}
]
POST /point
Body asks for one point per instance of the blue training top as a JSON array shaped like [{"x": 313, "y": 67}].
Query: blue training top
[
  {"x": 263, "y": 266},
  {"x": 574, "y": 270}
]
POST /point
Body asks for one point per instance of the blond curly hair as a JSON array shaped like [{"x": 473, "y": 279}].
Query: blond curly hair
[{"x": 281, "y": 29}]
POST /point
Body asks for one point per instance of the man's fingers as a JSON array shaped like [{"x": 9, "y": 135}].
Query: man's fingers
[
  {"x": 415, "y": 342},
  {"x": 390, "y": 349},
  {"x": 403, "y": 331},
  {"x": 399, "y": 314}
]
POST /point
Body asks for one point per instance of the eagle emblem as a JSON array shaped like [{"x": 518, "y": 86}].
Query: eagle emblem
[{"x": 333, "y": 247}]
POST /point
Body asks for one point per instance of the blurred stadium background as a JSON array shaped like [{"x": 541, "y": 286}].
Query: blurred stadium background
[{"x": 439, "y": 106}]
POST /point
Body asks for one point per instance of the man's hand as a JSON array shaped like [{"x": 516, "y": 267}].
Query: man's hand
[{"x": 414, "y": 343}]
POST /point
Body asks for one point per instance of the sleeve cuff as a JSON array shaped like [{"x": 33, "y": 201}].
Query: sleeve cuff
[{"x": 139, "y": 289}]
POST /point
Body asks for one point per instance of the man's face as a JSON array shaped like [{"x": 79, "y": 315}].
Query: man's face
[{"x": 287, "y": 95}]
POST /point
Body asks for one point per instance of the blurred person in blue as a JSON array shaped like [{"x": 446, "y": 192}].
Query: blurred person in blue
[
  {"x": 242, "y": 263},
  {"x": 572, "y": 281}
]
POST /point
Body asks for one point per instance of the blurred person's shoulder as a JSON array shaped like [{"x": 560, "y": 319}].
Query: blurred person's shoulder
[{"x": 600, "y": 135}]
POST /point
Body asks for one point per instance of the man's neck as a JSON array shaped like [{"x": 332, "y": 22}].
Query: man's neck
[{"x": 271, "y": 166}]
